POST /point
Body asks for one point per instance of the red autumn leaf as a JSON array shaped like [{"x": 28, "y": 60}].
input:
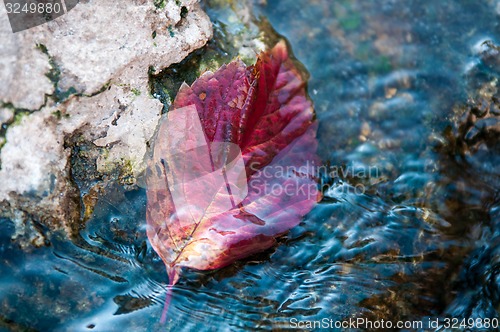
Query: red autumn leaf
[{"x": 232, "y": 166}]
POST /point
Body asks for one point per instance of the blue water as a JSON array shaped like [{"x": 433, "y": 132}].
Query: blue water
[{"x": 409, "y": 230}]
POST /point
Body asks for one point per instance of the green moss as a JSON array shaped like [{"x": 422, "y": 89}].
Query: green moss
[
  {"x": 126, "y": 173},
  {"x": 136, "y": 91},
  {"x": 59, "y": 115},
  {"x": 184, "y": 12},
  {"x": 18, "y": 117},
  {"x": 54, "y": 75},
  {"x": 159, "y": 4},
  {"x": 161, "y": 92},
  {"x": 19, "y": 113},
  {"x": 101, "y": 90}
]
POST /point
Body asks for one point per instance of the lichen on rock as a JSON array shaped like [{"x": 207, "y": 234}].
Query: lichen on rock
[{"x": 102, "y": 53}]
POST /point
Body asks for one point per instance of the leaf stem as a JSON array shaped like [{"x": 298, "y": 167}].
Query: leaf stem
[
  {"x": 168, "y": 298},
  {"x": 173, "y": 277}
]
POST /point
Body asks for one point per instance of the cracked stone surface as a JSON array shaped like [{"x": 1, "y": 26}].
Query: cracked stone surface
[{"x": 99, "y": 44}]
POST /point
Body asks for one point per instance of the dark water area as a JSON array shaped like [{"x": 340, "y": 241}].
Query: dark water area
[{"x": 408, "y": 107}]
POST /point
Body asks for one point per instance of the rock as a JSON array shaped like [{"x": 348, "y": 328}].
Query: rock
[
  {"x": 23, "y": 69},
  {"x": 100, "y": 53},
  {"x": 95, "y": 40},
  {"x": 6, "y": 115}
]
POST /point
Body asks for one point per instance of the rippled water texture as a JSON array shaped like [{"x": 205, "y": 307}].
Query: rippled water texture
[{"x": 408, "y": 230}]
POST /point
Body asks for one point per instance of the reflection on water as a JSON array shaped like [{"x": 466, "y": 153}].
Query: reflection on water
[{"x": 410, "y": 233}]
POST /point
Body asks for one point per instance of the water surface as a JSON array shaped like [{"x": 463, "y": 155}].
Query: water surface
[{"x": 407, "y": 230}]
